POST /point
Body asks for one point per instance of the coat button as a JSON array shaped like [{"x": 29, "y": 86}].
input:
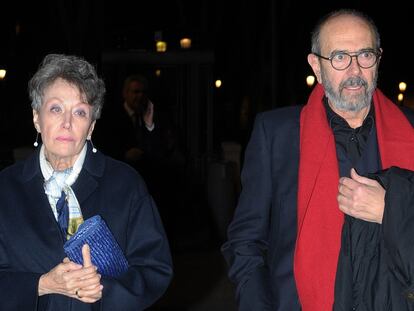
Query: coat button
[{"x": 410, "y": 296}]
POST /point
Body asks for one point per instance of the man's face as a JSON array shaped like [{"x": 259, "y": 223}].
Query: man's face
[
  {"x": 350, "y": 89},
  {"x": 133, "y": 94}
]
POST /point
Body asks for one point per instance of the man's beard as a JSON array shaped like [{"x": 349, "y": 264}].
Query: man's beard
[{"x": 352, "y": 103}]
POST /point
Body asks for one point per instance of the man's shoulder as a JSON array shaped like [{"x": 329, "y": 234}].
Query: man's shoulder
[
  {"x": 289, "y": 112},
  {"x": 281, "y": 117},
  {"x": 409, "y": 114}
]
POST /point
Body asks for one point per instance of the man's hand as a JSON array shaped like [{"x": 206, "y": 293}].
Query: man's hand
[
  {"x": 361, "y": 197},
  {"x": 149, "y": 115}
]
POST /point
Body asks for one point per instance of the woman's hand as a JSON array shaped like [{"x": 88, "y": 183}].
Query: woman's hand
[
  {"x": 93, "y": 291},
  {"x": 73, "y": 280}
]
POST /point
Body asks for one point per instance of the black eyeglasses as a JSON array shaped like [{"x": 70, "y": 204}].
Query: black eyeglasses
[{"x": 342, "y": 60}]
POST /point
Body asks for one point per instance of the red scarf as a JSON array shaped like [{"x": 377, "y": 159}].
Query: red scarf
[{"x": 319, "y": 218}]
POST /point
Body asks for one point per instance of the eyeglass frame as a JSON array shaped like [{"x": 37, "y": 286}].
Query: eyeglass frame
[{"x": 377, "y": 54}]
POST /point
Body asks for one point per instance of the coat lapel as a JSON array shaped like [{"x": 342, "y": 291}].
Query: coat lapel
[
  {"x": 84, "y": 187},
  {"x": 86, "y": 184}
]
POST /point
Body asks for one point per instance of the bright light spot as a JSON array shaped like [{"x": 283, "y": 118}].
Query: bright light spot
[
  {"x": 2, "y": 74},
  {"x": 402, "y": 86},
  {"x": 185, "y": 43},
  {"x": 161, "y": 46}
]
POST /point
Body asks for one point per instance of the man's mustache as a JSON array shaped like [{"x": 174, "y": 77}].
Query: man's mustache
[{"x": 354, "y": 81}]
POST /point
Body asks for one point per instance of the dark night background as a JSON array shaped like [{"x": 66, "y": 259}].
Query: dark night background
[{"x": 257, "y": 48}]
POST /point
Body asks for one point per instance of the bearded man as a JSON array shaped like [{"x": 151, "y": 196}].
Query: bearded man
[{"x": 284, "y": 240}]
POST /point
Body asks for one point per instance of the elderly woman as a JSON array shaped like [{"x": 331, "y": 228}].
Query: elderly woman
[{"x": 35, "y": 273}]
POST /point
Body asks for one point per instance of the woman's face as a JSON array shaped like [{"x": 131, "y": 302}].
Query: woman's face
[{"x": 64, "y": 122}]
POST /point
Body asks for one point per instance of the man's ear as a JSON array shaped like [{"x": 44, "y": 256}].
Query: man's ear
[
  {"x": 378, "y": 61},
  {"x": 315, "y": 64}
]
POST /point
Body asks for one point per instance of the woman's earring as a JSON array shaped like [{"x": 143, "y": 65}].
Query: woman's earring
[
  {"x": 36, "y": 143},
  {"x": 93, "y": 147}
]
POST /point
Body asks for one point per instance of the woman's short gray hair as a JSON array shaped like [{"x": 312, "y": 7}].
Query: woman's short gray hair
[{"x": 76, "y": 71}]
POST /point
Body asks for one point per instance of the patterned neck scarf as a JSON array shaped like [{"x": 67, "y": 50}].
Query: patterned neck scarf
[{"x": 58, "y": 181}]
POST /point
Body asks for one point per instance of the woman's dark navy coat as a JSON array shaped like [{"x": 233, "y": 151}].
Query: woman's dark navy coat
[{"x": 31, "y": 245}]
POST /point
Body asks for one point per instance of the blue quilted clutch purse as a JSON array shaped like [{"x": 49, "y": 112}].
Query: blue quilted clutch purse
[{"x": 106, "y": 254}]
